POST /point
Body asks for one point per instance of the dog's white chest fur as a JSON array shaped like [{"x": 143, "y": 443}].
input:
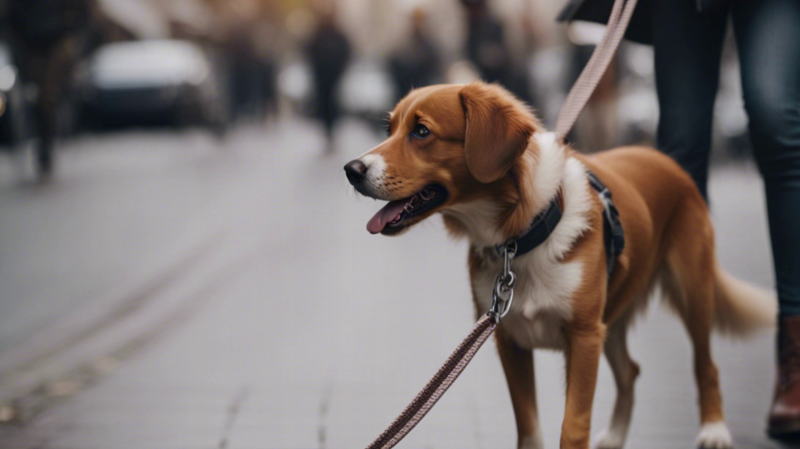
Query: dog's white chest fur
[
  {"x": 542, "y": 300},
  {"x": 545, "y": 283}
]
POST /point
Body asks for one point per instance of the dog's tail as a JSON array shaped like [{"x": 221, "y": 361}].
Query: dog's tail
[{"x": 742, "y": 308}]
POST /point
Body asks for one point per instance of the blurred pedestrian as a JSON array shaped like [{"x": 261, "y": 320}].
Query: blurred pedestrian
[
  {"x": 688, "y": 36},
  {"x": 268, "y": 41},
  {"x": 268, "y": 68},
  {"x": 47, "y": 38},
  {"x": 245, "y": 74},
  {"x": 417, "y": 61},
  {"x": 486, "y": 48},
  {"x": 328, "y": 52}
]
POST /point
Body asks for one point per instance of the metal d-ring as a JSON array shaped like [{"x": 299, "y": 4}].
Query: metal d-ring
[{"x": 503, "y": 291}]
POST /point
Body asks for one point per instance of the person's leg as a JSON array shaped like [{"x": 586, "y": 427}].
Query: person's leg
[
  {"x": 687, "y": 47},
  {"x": 326, "y": 96},
  {"x": 768, "y": 39}
]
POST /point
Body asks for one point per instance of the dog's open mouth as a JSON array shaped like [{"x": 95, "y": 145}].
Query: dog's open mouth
[{"x": 397, "y": 214}]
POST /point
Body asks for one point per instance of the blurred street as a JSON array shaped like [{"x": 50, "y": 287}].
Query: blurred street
[{"x": 175, "y": 290}]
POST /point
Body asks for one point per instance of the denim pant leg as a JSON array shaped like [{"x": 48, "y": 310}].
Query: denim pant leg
[
  {"x": 687, "y": 48},
  {"x": 768, "y": 39}
]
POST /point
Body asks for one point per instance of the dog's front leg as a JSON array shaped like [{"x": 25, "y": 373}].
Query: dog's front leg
[
  {"x": 584, "y": 345},
  {"x": 518, "y": 367}
]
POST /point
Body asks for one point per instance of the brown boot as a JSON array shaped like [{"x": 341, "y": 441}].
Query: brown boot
[{"x": 784, "y": 417}]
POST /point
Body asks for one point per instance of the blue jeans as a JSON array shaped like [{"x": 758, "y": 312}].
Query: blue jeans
[{"x": 687, "y": 48}]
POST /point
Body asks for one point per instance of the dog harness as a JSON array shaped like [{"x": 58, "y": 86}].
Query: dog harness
[
  {"x": 613, "y": 235},
  {"x": 546, "y": 221}
]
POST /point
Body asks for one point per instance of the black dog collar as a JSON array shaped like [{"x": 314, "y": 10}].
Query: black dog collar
[
  {"x": 542, "y": 226},
  {"x": 546, "y": 221}
]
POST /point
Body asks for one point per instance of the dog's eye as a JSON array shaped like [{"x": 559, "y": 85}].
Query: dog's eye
[{"x": 420, "y": 131}]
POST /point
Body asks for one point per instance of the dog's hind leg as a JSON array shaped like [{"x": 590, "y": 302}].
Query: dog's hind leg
[
  {"x": 518, "y": 367},
  {"x": 713, "y": 432},
  {"x": 689, "y": 284},
  {"x": 625, "y": 372}
]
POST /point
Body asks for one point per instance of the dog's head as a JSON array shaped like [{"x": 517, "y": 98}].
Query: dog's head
[{"x": 447, "y": 144}]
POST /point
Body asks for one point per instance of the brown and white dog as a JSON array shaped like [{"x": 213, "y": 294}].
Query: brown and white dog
[{"x": 478, "y": 156}]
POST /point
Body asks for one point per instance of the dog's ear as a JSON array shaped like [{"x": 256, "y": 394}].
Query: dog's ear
[{"x": 498, "y": 128}]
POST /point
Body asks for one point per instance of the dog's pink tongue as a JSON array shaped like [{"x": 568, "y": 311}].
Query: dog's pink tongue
[{"x": 385, "y": 216}]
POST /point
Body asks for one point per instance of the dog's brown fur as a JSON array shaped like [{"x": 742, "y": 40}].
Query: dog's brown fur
[{"x": 481, "y": 148}]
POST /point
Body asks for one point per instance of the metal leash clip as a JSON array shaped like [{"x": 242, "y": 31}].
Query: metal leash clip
[{"x": 503, "y": 291}]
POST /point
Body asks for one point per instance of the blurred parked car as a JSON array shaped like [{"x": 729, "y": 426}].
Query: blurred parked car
[
  {"x": 12, "y": 103},
  {"x": 152, "y": 82}
]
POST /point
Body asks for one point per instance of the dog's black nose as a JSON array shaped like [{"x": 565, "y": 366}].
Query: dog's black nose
[{"x": 356, "y": 171}]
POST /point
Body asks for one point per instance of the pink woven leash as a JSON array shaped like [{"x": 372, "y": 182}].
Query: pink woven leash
[
  {"x": 582, "y": 90},
  {"x": 580, "y": 93},
  {"x": 437, "y": 386},
  {"x": 502, "y": 297}
]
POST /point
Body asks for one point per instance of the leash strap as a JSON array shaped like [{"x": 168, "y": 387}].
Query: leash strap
[
  {"x": 437, "y": 386},
  {"x": 582, "y": 90}
]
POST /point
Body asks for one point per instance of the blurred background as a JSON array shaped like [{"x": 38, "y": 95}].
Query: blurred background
[
  {"x": 182, "y": 263},
  {"x": 94, "y": 65}
]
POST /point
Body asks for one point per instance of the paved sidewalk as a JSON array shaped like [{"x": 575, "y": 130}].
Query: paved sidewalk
[{"x": 304, "y": 331}]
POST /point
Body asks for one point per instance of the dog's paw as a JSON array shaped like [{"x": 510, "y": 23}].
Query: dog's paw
[
  {"x": 714, "y": 435},
  {"x": 532, "y": 442},
  {"x": 609, "y": 439}
]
